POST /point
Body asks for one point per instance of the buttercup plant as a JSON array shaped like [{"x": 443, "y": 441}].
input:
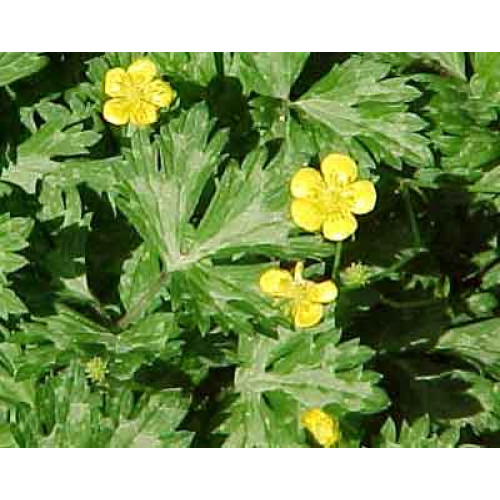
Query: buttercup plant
[{"x": 193, "y": 278}]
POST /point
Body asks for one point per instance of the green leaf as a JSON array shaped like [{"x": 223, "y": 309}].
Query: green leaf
[
  {"x": 452, "y": 63},
  {"x": 155, "y": 425},
  {"x": 198, "y": 67},
  {"x": 72, "y": 333},
  {"x": 13, "y": 238},
  {"x": 160, "y": 203},
  {"x": 416, "y": 435},
  {"x": 139, "y": 272},
  {"x": 66, "y": 260},
  {"x": 13, "y": 392},
  {"x": 245, "y": 214},
  {"x": 270, "y": 73},
  {"x": 99, "y": 175},
  {"x": 478, "y": 343},
  {"x": 450, "y": 396},
  {"x": 17, "y": 65},
  {"x": 485, "y": 82},
  {"x": 489, "y": 182},
  {"x": 69, "y": 414},
  {"x": 229, "y": 294},
  {"x": 463, "y": 132},
  {"x": 14, "y": 232},
  {"x": 10, "y": 303},
  {"x": 491, "y": 278},
  {"x": 311, "y": 369},
  {"x": 7, "y": 439},
  {"x": 62, "y": 135},
  {"x": 487, "y": 393},
  {"x": 74, "y": 411},
  {"x": 248, "y": 211},
  {"x": 358, "y": 101}
]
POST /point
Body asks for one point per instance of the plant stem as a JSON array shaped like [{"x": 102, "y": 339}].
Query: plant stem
[
  {"x": 408, "y": 305},
  {"x": 137, "y": 310},
  {"x": 338, "y": 258},
  {"x": 413, "y": 220}
]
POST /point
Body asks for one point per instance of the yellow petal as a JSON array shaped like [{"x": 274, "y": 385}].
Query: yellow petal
[
  {"x": 307, "y": 314},
  {"x": 324, "y": 428},
  {"x": 142, "y": 71},
  {"x": 117, "y": 83},
  {"x": 339, "y": 226},
  {"x": 276, "y": 282},
  {"x": 143, "y": 113},
  {"x": 298, "y": 271},
  {"x": 159, "y": 93},
  {"x": 307, "y": 183},
  {"x": 322, "y": 292},
  {"x": 117, "y": 111},
  {"x": 339, "y": 170},
  {"x": 307, "y": 214},
  {"x": 361, "y": 197}
]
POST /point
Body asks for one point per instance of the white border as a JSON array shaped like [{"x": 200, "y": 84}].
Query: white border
[
  {"x": 259, "y": 25},
  {"x": 248, "y": 474}
]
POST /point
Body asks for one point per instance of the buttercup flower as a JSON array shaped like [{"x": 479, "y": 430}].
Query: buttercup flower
[
  {"x": 136, "y": 95},
  {"x": 329, "y": 200},
  {"x": 324, "y": 428},
  {"x": 306, "y": 297}
]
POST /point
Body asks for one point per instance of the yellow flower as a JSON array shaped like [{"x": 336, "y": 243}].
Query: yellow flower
[
  {"x": 136, "y": 96},
  {"x": 306, "y": 297},
  {"x": 327, "y": 201},
  {"x": 324, "y": 428}
]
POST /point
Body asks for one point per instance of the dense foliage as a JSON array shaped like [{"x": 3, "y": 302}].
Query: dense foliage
[{"x": 131, "y": 252}]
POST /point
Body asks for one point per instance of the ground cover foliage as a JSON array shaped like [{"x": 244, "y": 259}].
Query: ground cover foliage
[{"x": 132, "y": 245}]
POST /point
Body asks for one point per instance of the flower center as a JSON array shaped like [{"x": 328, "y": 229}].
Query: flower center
[
  {"x": 300, "y": 291},
  {"x": 334, "y": 200},
  {"x": 135, "y": 93},
  {"x": 300, "y": 288}
]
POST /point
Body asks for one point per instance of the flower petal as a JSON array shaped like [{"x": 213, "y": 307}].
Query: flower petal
[
  {"x": 298, "y": 271},
  {"x": 143, "y": 113},
  {"x": 307, "y": 314},
  {"x": 324, "y": 428},
  {"x": 159, "y": 93},
  {"x": 307, "y": 183},
  {"x": 276, "y": 282},
  {"x": 142, "y": 71},
  {"x": 323, "y": 293},
  {"x": 339, "y": 170},
  {"x": 117, "y": 111},
  {"x": 339, "y": 226},
  {"x": 307, "y": 214},
  {"x": 361, "y": 197},
  {"x": 117, "y": 83}
]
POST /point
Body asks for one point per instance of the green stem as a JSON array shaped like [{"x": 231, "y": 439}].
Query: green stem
[
  {"x": 137, "y": 310},
  {"x": 413, "y": 219},
  {"x": 407, "y": 305},
  {"x": 338, "y": 259}
]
